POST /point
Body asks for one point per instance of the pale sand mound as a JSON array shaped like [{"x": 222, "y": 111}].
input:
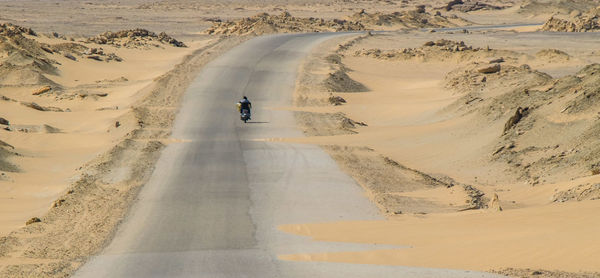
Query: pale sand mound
[
  {"x": 577, "y": 22},
  {"x": 553, "y": 55},
  {"x": 283, "y": 23},
  {"x": 475, "y": 81},
  {"x": 13, "y": 75}
]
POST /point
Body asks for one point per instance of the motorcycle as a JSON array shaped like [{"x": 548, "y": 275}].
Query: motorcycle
[{"x": 245, "y": 115}]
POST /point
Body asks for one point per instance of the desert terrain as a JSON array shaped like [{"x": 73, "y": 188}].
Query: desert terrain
[
  {"x": 471, "y": 125},
  {"x": 453, "y": 127}
]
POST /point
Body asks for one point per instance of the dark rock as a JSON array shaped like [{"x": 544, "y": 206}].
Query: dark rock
[
  {"x": 46, "y": 49},
  {"x": 336, "y": 100},
  {"x": 452, "y": 3},
  {"x": 41, "y": 108},
  {"x": 4, "y": 144},
  {"x": 70, "y": 56},
  {"x": 34, "y": 106},
  {"x": 497, "y": 60},
  {"x": 420, "y": 9},
  {"x": 516, "y": 118},
  {"x": 94, "y": 57},
  {"x": 491, "y": 69},
  {"x": 4, "y": 121},
  {"x": 58, "y": 203},
  {"x": 33, "y": 220}
]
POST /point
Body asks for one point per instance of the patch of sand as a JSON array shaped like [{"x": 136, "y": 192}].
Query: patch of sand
[{"x": 556, "y": 236}]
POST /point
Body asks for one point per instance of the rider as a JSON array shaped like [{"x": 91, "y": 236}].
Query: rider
[{"x": 245, "y": 104}]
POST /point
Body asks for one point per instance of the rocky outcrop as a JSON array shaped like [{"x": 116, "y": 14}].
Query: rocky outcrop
[
  {"x": 8, "y": 29},
  {"x": 134, "y": 38},
  {"x": 490, "y": 69},
  {"x": 38, "y": 107},
  {"x": 286, "y": 23},
  {"x": 469, "y": 6},
  {"x": 586, "y": 22},
  {"x": 418, "y": 18},
  {"x": 439, "y": 50},
  {"x": 33, "y": 220},
  {"x": 473, "y": 78},
  {"x": 265, "y": 23},
  {"x": 580, "y": 193},
  {"x": 552, "y": 55},
  {"x": 73, "y": 50},
  {"x": 334, "y": 100},
  {"x": 514, "y": 119}
]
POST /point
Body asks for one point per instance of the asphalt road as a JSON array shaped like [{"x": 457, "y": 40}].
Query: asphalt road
[{"x": 213, "y": 204}]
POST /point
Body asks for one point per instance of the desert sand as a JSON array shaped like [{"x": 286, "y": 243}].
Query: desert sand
[
  {"x": 432, "y": 125},
  {"x": 523, "y": 238},
  {"x": 51, "y": 146},
  {"x": 83, "y": 121},
  {"x": 478, "y": 145}
]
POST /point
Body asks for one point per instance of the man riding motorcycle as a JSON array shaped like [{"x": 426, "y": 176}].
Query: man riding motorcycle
[{"x": 245, "y": 104}]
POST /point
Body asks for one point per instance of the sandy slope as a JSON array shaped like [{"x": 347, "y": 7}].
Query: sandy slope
[{"x": 50, "y": 161}]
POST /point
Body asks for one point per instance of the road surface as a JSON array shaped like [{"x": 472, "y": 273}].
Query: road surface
[{"x": 213, "y": 204}]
